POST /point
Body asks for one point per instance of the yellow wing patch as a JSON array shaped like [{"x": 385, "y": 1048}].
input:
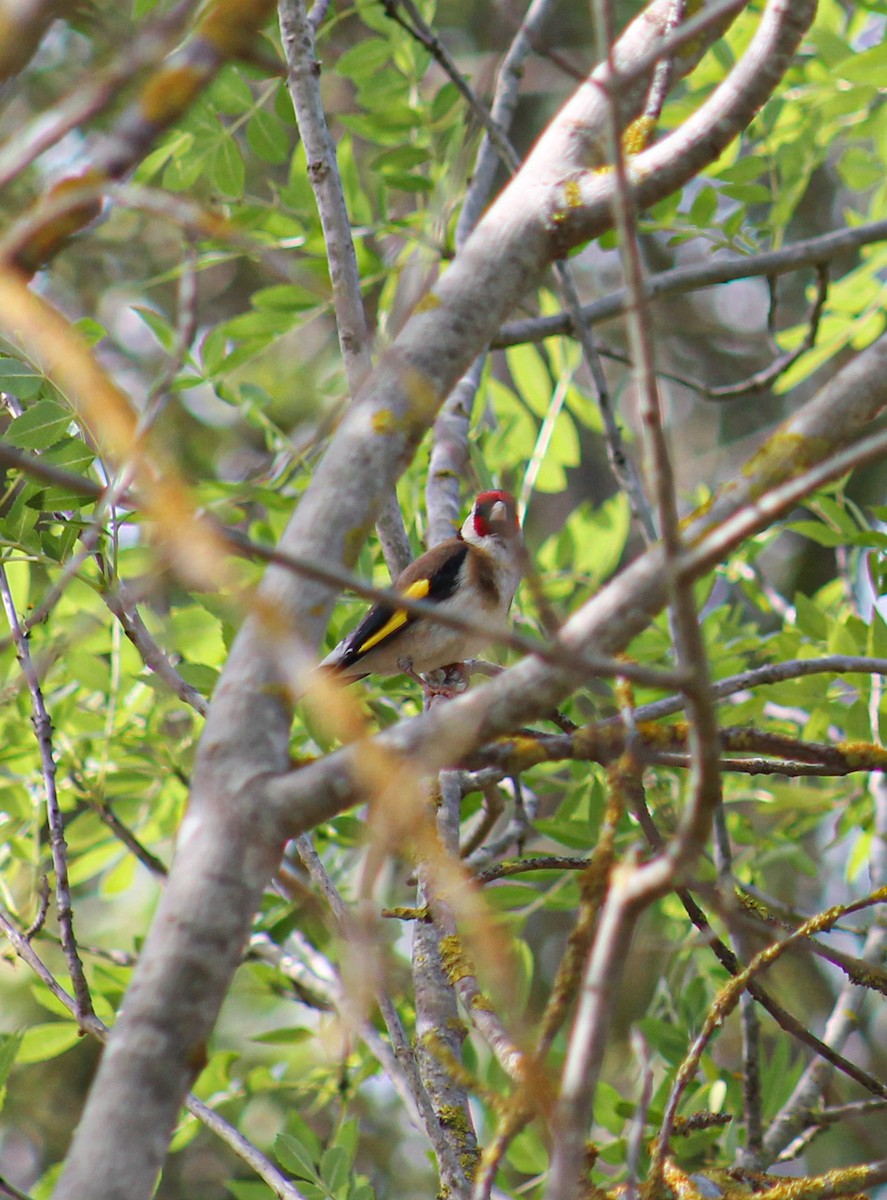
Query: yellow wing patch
[{"x": 416, "y": 591}]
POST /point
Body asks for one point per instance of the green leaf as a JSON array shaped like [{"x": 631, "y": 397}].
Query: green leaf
[
  {"x": 860, "y": 855},
  {"x": 294, "y": 1156},
  {"x": 830, "y": 48},
  {"x": 401, "y": 156},
  {"x": 91, "y": 330},
  {"x": 348, "y": 1137},
  {"x": 284, "y": 1037},
  {"x": 75, "y": 456},
  {"x": 842, "y": 641},
  {"x": 444, "y": 101},
  {"x": 304, "y": 1134},
  {"x": 611, "y": 1109},
  {"x": 878, "y": 635},
  {"x": 704, "y": 206},
  {"x": 361, "y": 1189},
  {"x": 744, "y": 170},
  {"x": 160, "y": 157},
  {"x": 71, "y": 453},
  {"x": 10, "y": 1044},
  {"x": 186, "y": 1131},
  {"x": 286, "y": 297},
  {"x": 185, "y": 167},
  {"x": 669, "y": 1040},
  {"x": 531, "y": 376},
  {"x": 387, "y": 128},
  {"x": 823, "y": 535},
  {"x": 18, "y": 576},
  {"x": 572, "y": 834},
  {"x": 19, "y": 521},
  {"x": 860, "y": 169},
  {"x": 364, "y": 59},
  {"x": 747, "y": 193},
  {"x": 510, "y": 896},
  {"x": 41, "y": 425},
  {"x": 41, "y": 1042},
  {"x": 527, "y": 1154},
  {"x": 562, "y": 452},
  {"x": 249, "y": 1189},
  {"x": 810, "y": 618},
  {"x": 335, "y": 1168},
  {"x": 226, "y": 168},
  {"x": 230, "y": 93},
  {"x": 19, "y": 379},
  {"x": 47, "y": 999},
  {"x": 267, "y": 137},
  {"x": 158, "y": 324},
  {"x": 408, "y": 183},
  {"x": 869, "y": 67},
  {"x": 197, "y": 635}
]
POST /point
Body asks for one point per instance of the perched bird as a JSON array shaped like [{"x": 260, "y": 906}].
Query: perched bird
[{"x": 472, "y": 575}]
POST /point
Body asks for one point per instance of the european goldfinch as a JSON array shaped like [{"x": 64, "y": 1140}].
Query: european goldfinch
[{"x": 472, "y": 575}]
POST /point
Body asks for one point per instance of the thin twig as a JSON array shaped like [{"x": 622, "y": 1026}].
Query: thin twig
[
  {"x": 635, "y": 1140},
  {"x": 823, "y": 1119},
  {"x": 729, "y": 995},
  {"x": 125, "y": 835},
  {"x": 449, "y": 446},
  {"x": 9, "y": 1189},
  {"x": 415, "y": 24},
  {"x": 761, "y": 380},
  {"x": 43, "y": 893},
  {"x": 663, "y": 72},
  {"x": 812, "y": 252},
  {"x": 448, "y": 462},
  {"x": 621, "y": 463},
  {"x": 843, "y": 1020},
  {"x": 502, "y": 109},
  {"x": 731, "y": 964},
  {"x": 678, "y": 36},
  {"x": 795, "y": 668},
  {"x": 400, "y": 1065},
  {"x": 283, "y": 1188},
  {"x": 152, "y": 655},
  {"x": 58, "y": 845},
  {"x": 623, "y": 468},
  {"x": 752, "y": 1099},
  {"x": 438, "y": 1027},
  {"x": 303, "y": 82}
]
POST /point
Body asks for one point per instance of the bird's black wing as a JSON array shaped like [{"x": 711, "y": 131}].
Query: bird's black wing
[{"x": 433, "y": 577}]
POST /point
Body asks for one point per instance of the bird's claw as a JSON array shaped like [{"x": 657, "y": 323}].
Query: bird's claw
[{"x": 446, "y": 682}]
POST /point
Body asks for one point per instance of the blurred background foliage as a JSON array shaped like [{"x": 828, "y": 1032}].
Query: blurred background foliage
[{"x": 252, "y": 399}]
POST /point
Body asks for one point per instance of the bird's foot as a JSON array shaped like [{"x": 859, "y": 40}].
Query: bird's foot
[
  {"x": 445, "y": 682},
  {"x": 405, "y": 666}
]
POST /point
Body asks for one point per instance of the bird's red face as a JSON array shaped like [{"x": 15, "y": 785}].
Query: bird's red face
[{"x": 495, "y": 513}]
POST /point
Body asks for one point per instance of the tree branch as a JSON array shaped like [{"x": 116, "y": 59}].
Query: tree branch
[{"x": 812, "y": 252}]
